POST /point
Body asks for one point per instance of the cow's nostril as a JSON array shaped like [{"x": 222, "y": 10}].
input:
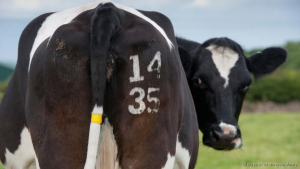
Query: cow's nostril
[
  {"x": 217, "y": 135},
  {"x": 220, "y": 136},
  {"x": 223, "y": 138}
]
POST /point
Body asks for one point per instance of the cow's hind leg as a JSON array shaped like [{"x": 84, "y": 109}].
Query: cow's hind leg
[
  {"x": 182, "y": 157},
  {"x": 24, "y": 156},
  {"x": 187, "y": 145}
]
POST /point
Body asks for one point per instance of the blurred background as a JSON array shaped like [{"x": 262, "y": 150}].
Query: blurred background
[{"x": 270, "y": 121}]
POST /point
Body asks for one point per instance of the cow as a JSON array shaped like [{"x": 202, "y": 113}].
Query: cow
[
  {"x": 219, "y": 76},
  {"x": 98, "y": 85}
]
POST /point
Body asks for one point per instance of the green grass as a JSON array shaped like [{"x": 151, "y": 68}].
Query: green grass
[
  {"x": 1, "y": 96},
  {"x": 268, "y": 137},
  {"x": 3, "y": 86}
]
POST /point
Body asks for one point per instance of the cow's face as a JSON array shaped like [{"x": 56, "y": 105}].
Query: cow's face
[{"x": 220, "y": 79}]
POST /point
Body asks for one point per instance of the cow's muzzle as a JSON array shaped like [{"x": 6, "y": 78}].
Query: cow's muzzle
[{"x": 223, "y": 137}]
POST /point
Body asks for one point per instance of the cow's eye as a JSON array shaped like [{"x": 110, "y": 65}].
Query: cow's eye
[
  {"x": 199, "y": 83},
  {"x": 245, "y": 89}
]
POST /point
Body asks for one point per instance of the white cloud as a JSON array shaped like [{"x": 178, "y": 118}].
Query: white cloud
[
  {"x": 146, "y": 4},
  {"x": 212, "y": 3},
  {"x": 26, "y": 4},
  {"x": 31, "y": 8},
  {"x": 200, "y": 3}
]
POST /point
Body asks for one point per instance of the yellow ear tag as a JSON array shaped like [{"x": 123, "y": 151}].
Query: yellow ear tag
[{"x": 96, "y": 118}]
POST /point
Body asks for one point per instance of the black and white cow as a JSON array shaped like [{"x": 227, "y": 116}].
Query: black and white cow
[
  {"x": 219, "y": 76},
  {"x": 115, "y": 62}
]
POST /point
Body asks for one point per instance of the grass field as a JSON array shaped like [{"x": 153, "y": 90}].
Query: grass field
[
  {"x": 1, "y": 95},
  {"x": 268, "y": 137}
]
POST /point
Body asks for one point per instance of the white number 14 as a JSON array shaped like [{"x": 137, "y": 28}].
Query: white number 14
[{"x": 136, "y": 67}]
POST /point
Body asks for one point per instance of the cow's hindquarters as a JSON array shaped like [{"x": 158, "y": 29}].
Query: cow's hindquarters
[{"x": 59, "y": 99}]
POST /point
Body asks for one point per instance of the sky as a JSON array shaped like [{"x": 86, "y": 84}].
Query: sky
[{"x": 251, "y": 23}]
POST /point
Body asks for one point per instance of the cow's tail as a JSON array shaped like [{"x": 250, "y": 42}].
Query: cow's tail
[{"x": 104, "y": 22}]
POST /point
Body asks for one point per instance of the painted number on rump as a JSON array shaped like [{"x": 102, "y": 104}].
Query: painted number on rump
[
  {"x": 141, "y": 92},
  {"x": 157, "y": 59},
  {"x": 140, "y": 101},
  {"x": 136, "y": 70}
]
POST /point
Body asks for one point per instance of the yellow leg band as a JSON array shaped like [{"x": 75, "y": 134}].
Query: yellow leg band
[{"x": 96, "y": 118}]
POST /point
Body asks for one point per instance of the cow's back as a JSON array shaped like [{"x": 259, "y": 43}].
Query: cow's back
[{"x": 146, "y": 103}]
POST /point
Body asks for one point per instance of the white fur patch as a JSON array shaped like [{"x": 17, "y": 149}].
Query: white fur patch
[
  {"x": 24, "y": 156},
  {"x": 54, "y": 21},
  {"x": 182, "y": 156},
  {"x": 97, "y": 110},
  {"x": 170, "y": 162},
  {"x": 93, "y": 142},
  {"x": 92, "y": 146},
  {"x": 137, "y": 13},
  {"x": 229, "y": 127},
  {"x": 37, "y": 162},
  {"x": 224, "y": 59},
  {"x": 107, "y": 154},
  {"x": 238, "y": 143},
  {"x": 57, "y": 19},
  {"x": 181, "y": 160}
]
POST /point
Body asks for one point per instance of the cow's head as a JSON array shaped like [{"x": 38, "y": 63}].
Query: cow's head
[{"x": 219, "y": 80}]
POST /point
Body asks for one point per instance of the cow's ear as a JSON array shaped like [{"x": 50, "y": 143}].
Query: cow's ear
[{"x": 267, "y": 61}]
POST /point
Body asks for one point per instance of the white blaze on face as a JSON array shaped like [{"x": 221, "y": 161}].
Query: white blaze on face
[
  {"x": 58, "y": 19},
  {"x": 224, "y": 59}
]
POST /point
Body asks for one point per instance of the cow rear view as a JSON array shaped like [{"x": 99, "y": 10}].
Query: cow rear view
[{"x": 111, "y": 74}]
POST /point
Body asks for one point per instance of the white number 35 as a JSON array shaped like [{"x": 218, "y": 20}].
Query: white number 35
[{"x": 139, "y": 100}]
